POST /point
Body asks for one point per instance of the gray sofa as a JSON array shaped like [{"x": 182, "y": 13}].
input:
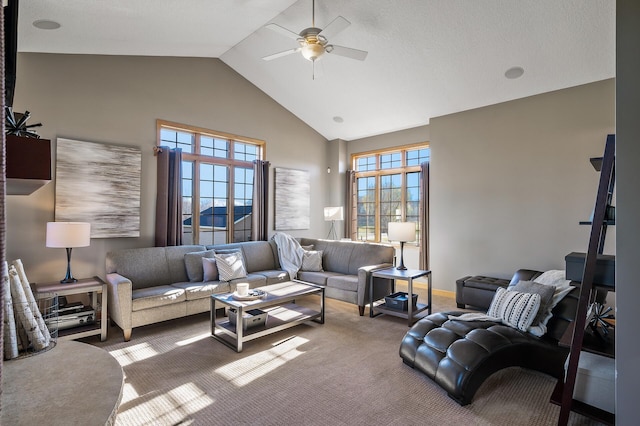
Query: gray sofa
[{"x": 149, "y": 285}]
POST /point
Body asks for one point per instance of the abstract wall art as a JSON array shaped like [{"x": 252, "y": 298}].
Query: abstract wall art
[
  {"x": 292, "y": 203},
  {"x": 99, "y": 184}
]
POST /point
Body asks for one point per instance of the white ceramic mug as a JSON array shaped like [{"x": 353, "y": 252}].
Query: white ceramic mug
[{"x": 242, "y": 289}]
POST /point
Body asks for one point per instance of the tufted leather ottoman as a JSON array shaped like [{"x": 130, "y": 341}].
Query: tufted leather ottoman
[{"x": 477, "y": 291}]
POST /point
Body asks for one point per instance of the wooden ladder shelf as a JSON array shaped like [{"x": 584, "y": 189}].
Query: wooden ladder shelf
[{"x": 596, "y": 245}]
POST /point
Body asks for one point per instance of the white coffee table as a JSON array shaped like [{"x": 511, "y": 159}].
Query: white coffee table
[{"x": 278, "y": 302}]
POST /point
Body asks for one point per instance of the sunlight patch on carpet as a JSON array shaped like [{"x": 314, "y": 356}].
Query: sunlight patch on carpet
[
  {"x": 248, "y": 369},
  {"x": 193, "y": 339},
  {"x": 129, "y": 393},
  {"x": 132, "y": 354},
  {"x": 174, "y": 405}
]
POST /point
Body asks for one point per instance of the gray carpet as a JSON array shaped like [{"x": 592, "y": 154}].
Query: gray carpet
[{"x": 345, "y": 372}]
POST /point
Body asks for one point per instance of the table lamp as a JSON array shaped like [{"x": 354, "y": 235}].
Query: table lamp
[
  {"x": 332, "y": 214},
  {"x": 402, "y": 232},
  {"x": 68, "y": 235}
]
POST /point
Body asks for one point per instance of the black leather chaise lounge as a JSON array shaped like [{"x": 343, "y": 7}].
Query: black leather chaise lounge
[{"x": 460, "y": 355}]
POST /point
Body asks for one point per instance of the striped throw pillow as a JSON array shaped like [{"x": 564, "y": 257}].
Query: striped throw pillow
[
  {"x": 230, "y": 266},
  {"x": 515, "y": 309}
]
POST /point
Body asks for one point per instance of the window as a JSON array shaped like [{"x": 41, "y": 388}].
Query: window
[
  {"x": 217, "y": 182},
  {"x": 387, "y": 190}
]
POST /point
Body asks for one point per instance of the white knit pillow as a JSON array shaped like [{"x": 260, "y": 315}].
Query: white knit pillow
[
  {"x": 230, "y": 266},
  {"x": 515, "y": 309},
  {"x": 312, "y": 261}
]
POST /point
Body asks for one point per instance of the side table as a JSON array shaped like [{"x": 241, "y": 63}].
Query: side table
[
  {"x": 399, "y": 274},
  {"x": 94, "y": 286}
]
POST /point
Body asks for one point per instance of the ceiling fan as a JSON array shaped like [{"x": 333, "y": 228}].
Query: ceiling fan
[{"x": 314, "y": 42}]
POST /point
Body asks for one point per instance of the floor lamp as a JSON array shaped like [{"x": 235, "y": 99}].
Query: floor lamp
[
  {"x": 68, "y": 235},
  {"x": 332, "y": 214},
  {"x": 402, "y": 232}
]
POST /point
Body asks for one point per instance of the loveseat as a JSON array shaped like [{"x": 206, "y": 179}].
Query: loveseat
[
  {"x": 459, "y": 355},
  {"x": 148, "y": 285}
]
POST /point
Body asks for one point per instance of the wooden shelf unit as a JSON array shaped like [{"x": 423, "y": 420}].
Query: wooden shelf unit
[{"x": 563, "y": 394}]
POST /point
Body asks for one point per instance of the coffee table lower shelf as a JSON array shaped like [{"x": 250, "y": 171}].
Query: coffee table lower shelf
[{"x": 278, "y": 318}]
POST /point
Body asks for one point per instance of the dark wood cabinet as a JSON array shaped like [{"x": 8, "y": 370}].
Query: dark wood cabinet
[{"x": 28, "y": 164}]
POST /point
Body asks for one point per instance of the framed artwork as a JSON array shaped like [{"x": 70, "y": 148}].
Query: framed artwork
[
  {"x": 293, "y": 199},
  {"x": 99, "y": 184}
]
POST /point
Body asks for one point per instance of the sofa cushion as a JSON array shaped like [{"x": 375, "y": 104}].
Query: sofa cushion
[
  {"x": 201, "y": 290},
  {"x": 230, "y": 266},
  {"x": 152, "y": 297},
  {"x": 319, "y": 278},
  {"x": 274, "y": 276},
  {"x": 193, "y": 264},
  {"x": 312, "y": 261},
  {"x": 175, "y": 261},
  {"x": 145, "y": 267},
  {"x": 344, "y": 282},
  {"x": 365, "y": 254},
  {"x": 259, "y": 256}
]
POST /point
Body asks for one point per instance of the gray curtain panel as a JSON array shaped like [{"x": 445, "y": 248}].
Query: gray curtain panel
[
  {"x": 350, "y": 228},
  {"x": 424, "y": 215},
  {"x": 169, "y": 198},
  {"x": 260, "y": 220}
]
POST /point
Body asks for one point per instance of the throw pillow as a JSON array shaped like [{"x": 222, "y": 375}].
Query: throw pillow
[
  {"x": 309, "y": 247},
  {"x": 559, "y": 293},
  {"x": 545, "y": 292},
  {"x": 555, "y": 278},
  {"x": 312, "y": 261},
  {"x": 210, "y": 269},
  {"x": 514, "y": 308},
  {"x": 230, "y": 266},
  {"x": 193, "y": 264},
  {"x": 233, "y": 250}
]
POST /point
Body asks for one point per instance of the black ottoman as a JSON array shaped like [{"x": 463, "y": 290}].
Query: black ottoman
[{"x": 477, "y": 291}]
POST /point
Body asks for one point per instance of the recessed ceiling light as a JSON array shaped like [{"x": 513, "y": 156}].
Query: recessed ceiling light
[
  {"x": 338, "y": 119},
  {"x": 45, "y": 24},
  {"x": 514, "y": 72}
]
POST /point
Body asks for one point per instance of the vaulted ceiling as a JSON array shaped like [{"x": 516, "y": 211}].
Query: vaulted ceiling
[{"x": 426, "y": 58}]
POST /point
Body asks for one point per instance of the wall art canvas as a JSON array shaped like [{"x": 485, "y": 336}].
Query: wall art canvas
[
  {"x": 99, "y": 184},
  {"x": 292, "y": 199}
]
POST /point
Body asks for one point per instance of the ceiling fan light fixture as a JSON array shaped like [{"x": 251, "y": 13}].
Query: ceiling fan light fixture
[{"x": 312, "y": 51}]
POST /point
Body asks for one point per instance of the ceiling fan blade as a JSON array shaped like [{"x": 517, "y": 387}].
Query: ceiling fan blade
[
  {"x": 348, "y": 52},
  {"x": 283, "y": 31},
  {"x": 336, "y": 26},
  {"x": 281, "y": 54}
]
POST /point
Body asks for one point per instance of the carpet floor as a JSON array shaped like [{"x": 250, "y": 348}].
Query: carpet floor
[{"x": 344, "y": 372}]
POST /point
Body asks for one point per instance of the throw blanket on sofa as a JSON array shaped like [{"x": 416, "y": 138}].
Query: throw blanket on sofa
[{"x": 290, "y": 253}]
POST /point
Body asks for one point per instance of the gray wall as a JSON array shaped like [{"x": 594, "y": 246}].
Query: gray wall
[
  {"x": 116, "y": 100},
  {"x": 627, "y": 210},
  {"x": 510, "y": 182}
]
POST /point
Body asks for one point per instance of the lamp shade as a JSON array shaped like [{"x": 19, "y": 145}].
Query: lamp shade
[
  {"x": 333, "y": 213},
  {"x": 402, "y": 231},
  {"x": 68, "y": 234}
]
